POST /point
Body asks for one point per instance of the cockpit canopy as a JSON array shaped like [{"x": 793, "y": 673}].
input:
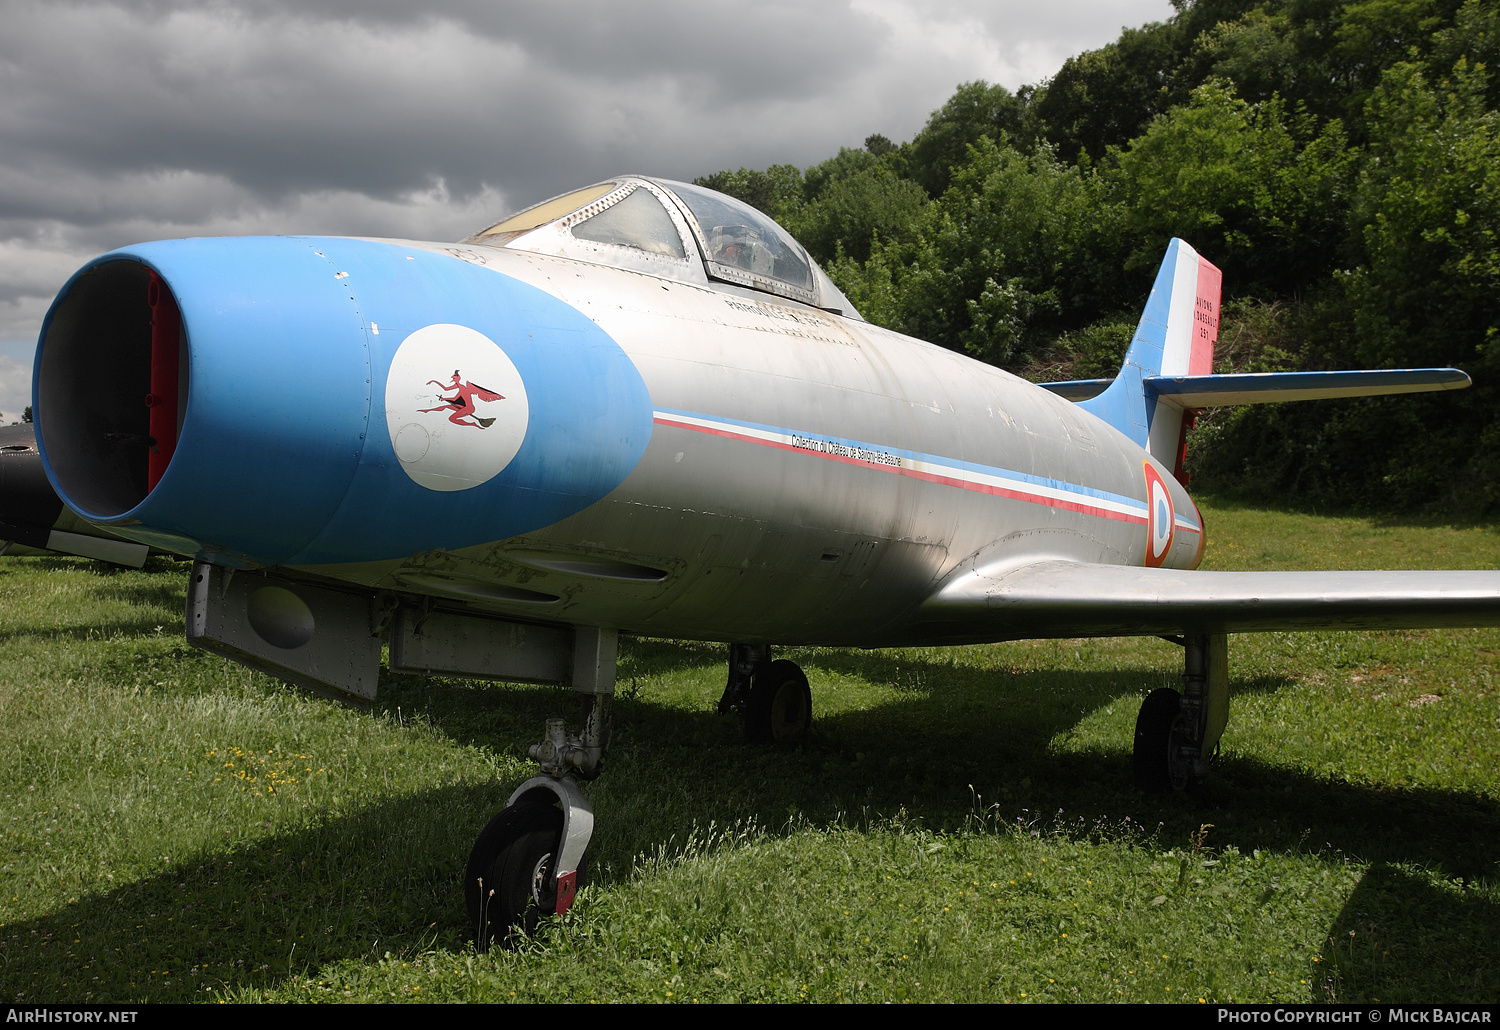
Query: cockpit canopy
[{"x": 671, "y": 229}]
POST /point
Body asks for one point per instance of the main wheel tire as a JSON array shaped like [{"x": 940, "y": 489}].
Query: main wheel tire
[
  {"x": 779, "y": 708},
  {"x": 1153, "y": 740},
  {"x": 509, "y": 884}
]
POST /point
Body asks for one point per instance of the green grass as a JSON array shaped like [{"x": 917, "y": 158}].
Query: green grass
[{"x": 959, "y": 827}]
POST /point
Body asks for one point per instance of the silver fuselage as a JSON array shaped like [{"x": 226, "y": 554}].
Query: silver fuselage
[{"x": 810, "y": 478}]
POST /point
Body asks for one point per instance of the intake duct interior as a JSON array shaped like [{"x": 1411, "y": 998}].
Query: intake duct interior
[{"x": 112, "y": 386}]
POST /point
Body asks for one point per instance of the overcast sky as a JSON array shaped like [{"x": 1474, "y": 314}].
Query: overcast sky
[{"x": 128, "y": 121}]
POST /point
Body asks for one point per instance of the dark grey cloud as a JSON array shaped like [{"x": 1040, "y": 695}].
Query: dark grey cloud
[
  {"x": 730, "y": 52},
  {"x": 290, "y": 97},
  {"x": 144, "y": 119}
]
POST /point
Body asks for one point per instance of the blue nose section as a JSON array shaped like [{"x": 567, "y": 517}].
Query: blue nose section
[{"x": 353, "y": 400}]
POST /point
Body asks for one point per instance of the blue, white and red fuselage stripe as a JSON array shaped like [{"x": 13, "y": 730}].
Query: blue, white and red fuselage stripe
[{"x": 933, "y": 468}]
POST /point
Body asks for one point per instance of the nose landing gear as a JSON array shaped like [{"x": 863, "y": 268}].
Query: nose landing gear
[{"x": 530, "y": 861}]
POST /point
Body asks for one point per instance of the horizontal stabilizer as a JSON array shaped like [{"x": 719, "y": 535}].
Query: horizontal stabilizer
[
  {"x": 1077, "y": 599},
  {"x": 1267, "y": 387}
]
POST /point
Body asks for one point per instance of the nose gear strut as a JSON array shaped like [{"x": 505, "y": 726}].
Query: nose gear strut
[{"x": 530, "y": 861}]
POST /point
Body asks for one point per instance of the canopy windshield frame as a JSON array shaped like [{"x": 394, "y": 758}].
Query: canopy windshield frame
[{"x": 751, "y": 234}]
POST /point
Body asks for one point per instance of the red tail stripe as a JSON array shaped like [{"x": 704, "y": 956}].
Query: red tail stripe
[{"x": 1205, "y": 319}]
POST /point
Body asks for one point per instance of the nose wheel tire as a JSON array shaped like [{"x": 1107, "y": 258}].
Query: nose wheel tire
[
  {"x": 1154, "y": 740},
  {"x": 779, "y": 708},
  {"x": 509, "y": 884}
]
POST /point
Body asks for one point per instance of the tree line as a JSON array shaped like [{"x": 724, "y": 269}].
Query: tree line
[{"x": 1338, "y": 159}]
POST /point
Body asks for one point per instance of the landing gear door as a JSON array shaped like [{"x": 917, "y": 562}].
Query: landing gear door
[{"x": 316, "y": 638}]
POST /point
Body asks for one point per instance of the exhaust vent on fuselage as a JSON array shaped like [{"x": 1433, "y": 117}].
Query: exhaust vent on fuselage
[{"x": 112, "y": 386}]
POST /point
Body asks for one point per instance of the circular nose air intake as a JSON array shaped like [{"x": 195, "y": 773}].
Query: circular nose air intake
[{"x": 111, "y": 386}]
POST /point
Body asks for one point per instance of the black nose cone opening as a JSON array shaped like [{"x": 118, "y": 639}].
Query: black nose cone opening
[{"x": 111, "y": 386}]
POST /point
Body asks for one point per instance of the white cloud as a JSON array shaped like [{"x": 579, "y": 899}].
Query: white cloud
[{"x": 15, "y": 387}]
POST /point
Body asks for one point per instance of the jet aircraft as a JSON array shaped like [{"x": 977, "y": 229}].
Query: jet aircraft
[{"x": 641, "y": 407}]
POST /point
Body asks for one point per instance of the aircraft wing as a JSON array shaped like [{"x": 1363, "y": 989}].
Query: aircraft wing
[{"x": 1077, "y": 599}]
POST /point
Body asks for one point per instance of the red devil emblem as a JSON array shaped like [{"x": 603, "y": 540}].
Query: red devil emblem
[{"x": 462, "y": 402}]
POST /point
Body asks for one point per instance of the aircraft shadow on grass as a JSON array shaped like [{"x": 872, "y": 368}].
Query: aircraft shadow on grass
[
  {"x": 1400, "y": 936},
  {"x": 357, "y": 885}
]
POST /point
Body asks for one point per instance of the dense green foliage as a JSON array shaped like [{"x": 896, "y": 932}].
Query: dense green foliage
[{"x": 1338, "y": 159}]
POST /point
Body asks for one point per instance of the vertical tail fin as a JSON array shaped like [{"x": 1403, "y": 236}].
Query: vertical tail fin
[{"x": 1175, "y": 337}]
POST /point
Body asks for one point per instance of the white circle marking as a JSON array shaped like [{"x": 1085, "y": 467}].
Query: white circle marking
[{"x": 455, "y": 407}]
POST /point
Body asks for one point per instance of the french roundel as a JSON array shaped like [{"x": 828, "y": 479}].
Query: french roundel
[{"x": 1160, "y": 518}]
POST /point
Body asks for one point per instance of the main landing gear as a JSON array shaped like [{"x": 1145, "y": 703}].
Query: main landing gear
[
  {"x": 1175, "y": 733},
  {"x": 772, "y": 696}
]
